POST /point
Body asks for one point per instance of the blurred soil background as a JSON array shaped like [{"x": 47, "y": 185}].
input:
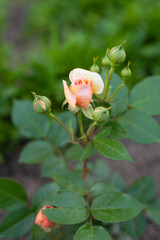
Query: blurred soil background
[{"x": 41, "y": 41}]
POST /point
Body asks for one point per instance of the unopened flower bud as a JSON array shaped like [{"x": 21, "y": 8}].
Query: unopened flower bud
[
  {"x": 117, "y": 55},
  {"x": 42, "y": 220},
  {"x": 95, "y": 67},
  {"x": 105, "y": 61},
  {"x": 100, "y": 114},
  {"x": 41, "y": 104},
  {"x": 126, "y": 72}
]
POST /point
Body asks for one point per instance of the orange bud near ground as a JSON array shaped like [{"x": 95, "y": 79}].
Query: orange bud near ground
[{"x": 42, "y": 220}]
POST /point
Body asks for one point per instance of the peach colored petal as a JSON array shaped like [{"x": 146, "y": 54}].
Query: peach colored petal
[
  {"x": 47, "y": 223},
  {"x": 77, "y": 84},
  {"x": 39, "y": 217},
  {"x": 71, "y": 98},
  {"x": 78, "y": 73},
  {"x": 84, "y": 95},
  {"x": 97, "y": 82}
]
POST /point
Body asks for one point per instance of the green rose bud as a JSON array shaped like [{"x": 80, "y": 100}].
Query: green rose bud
[
  {"x": 95, "y": 67},
  {"x": 105, "y": 61},
  {"x": 117, "y": 55},
  {"x": 41, "y": 104},
  {"x": 100, "y": 114},
  {"x": 126, "y": 72}
]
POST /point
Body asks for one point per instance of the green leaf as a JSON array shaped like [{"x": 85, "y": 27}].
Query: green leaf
[
  {"x": 71, "y": 208},
  {"x": 111, "y": 148},
  {"x": 88, "y": 232},
  {"x": 100, "y": 188},
  {"x": 38, "y": 233},
  {"x": 17, "y": 223},
  {"x": 143, "y": 189},
  {"x": 12, "y": 194},
  {"x": 73, "y": 153},
  {"x": 115, "y": 207},
  {"x": 29, "y": 123},
  {"x": 117, "y": 130},
  {"x": 120, "y": 100},
  {"x": 41, "y": 196},
  {"x": 36, "y": 152},
  {"x": 52, "y": 165},
  {"x": 153, "y": 211},
  {"x": 87, "y": 151},
  {"x": 70, "y": 181},
  {"x": 117, "y": 181},
  {"x": 100, "y": 169},
  {"x": 140, "y": 127},
  {"x": 135, "y": 227},
  {"x": 57, "y": 134},
  {"x": 104, "y": 133},
  {"x": 145, "y": 95}
]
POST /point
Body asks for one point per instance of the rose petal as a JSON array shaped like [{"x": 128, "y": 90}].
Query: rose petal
[
  {"x": 84, "y": 95},
  {"x": 97, "y": 82},
  {"x": 39, "y": 217},
  {"x": 71, "y": 99},
  {"x": 47, "y": 223}
]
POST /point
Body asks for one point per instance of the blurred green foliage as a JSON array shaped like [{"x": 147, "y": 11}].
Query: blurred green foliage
[{"x": 41, "y": 41}]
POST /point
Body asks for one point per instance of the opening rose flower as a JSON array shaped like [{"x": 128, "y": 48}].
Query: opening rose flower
[
  {"x": 42, "y": 220},
  {"x": 83, "y": 84}
]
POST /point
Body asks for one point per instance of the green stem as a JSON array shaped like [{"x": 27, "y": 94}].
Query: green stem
[
  {"x": 80, "y": 124},
  {"x": 99, "y": 97},
  {"x": 91, "y": 223},
  {"x": 122, "y": 84},
  {"x": 84, "y": 177},
  {"x": 59, "y": 121},
  {"x": 91, "y": 129},
  {"x": 107, "y": 82}
]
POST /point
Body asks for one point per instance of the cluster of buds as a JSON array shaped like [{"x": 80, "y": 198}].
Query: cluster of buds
[
  {"x": 43, "y": 221},
  {"x": 116, "y": 56}
]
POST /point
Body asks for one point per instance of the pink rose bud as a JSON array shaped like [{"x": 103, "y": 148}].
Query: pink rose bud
[
  {"x": 83, "y": 84},
  {"x": 42, "y": 220},
  {"x": 41, "y": 104}
]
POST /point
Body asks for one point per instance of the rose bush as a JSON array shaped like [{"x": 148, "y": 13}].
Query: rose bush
[{"x": 83, "y": 194}]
